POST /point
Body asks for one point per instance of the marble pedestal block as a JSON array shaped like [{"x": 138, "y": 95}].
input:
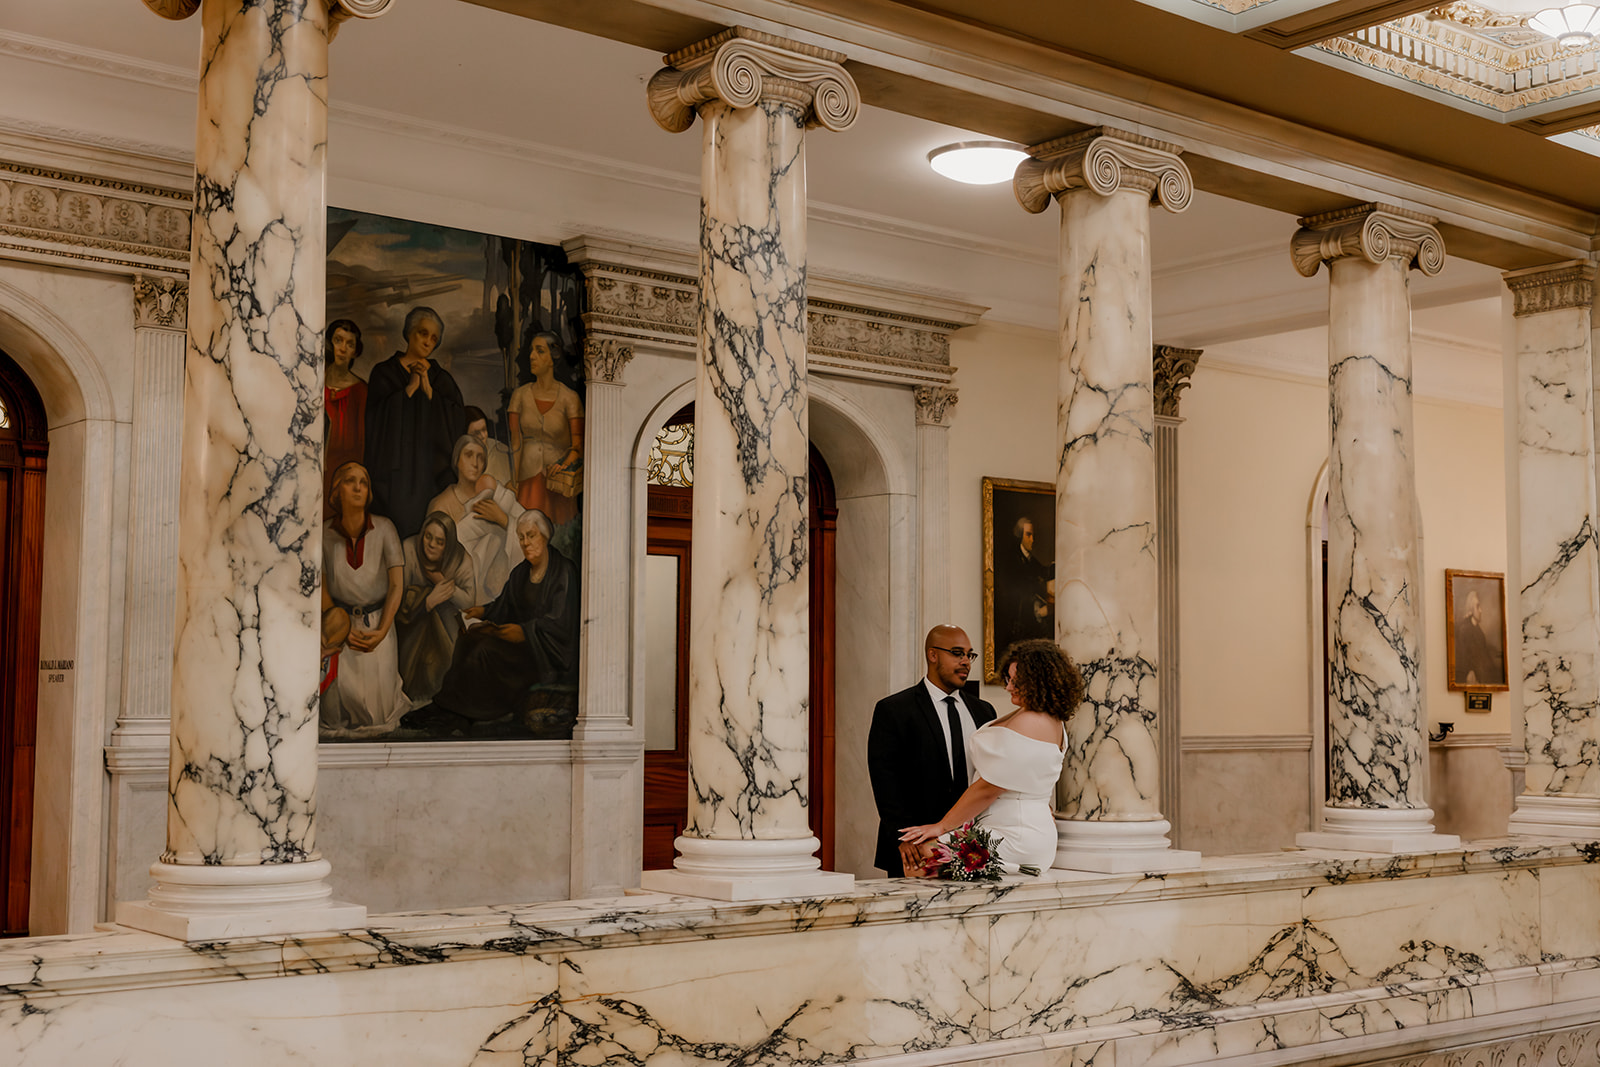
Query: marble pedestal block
[
  {"x": 194, "y": 903},
  {"x": 749, "y": 651}
]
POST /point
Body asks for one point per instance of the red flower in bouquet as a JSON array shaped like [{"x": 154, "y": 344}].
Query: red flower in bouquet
[
  {"x": 973, "y": 856},
  {"x": 969, "y": 855}
]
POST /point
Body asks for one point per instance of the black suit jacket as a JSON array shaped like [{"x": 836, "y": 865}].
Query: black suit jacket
[{"x": 910, "y": 766}]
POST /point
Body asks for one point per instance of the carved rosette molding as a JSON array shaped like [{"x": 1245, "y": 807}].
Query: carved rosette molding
[
  {"x": 1106, "y": 160},
  {"x": 933, "y": 403},
  {"x": 604, "y": 358},
  {"x": 160, "y": 302},
  {"x": 742, "y": 67},
  {"x": 1171, "y": 368},
  {"x": 56, "y": 215},
  {"x": 1375, "y": 232},
  {"x": 1551, "y": 288}
]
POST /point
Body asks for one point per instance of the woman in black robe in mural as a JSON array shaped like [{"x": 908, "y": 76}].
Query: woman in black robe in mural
[
  {"x": 527, "y": 635},
  {"x": 414, "y": 415}
]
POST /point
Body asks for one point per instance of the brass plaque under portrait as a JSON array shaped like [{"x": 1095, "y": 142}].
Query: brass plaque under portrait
[{"x": 1019, "y": 546}]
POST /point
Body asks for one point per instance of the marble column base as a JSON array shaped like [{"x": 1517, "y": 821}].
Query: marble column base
[
  {"x": 214, "y": 903},
  {"x": 1569, "y": 818},
  {"x": 747, "y": 870},
  {"x": 1384, "y": 830},
  {"x": 1119, "y": 847}
]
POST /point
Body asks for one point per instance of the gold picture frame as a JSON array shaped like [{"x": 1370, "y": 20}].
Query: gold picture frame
[
  {"x": 1025, "y": 583},
  {"x": 1475, "y": 599}
]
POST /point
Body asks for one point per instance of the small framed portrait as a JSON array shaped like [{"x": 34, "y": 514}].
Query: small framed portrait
[
  {"x": 1019, "y": 573},
  {"x": 1475, "y": 630}
]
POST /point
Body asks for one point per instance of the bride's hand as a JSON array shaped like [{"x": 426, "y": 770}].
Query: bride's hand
[{"x": 916, "y": 835}]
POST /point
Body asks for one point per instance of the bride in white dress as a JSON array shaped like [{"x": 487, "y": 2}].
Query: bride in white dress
[{"x": 1017, "y": 760}]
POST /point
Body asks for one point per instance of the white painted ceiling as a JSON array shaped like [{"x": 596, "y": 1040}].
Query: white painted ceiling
[{"x": 1222, "y": 269}]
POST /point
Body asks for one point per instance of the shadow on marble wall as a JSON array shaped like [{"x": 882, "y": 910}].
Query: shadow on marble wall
[
  {"x": 1470, "y": 787},
  {"x": 1244, "y": 798}
]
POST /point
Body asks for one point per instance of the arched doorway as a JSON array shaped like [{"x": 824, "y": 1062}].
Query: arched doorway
[
  {"x": 23, "y": 447},
  {"x": 669, "y": 500}
]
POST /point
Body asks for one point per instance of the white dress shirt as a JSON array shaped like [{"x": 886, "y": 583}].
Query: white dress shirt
[{"x": 963, "y": 715}]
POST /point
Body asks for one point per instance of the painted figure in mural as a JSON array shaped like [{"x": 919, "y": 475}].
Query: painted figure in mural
[
  {"x": 527, "y": 636},
  {"x": 486, "y": 516},
  {"x": 1024, "y": 590},
  {"x": 546, "y": 421},
  {"x": 414, "y": 415},
  {"x": 1016, "y": 761},
  {"x": 499, "y": 466},
  {"x": 344, "y": 398},
  {"x": 363, "y": 572},
  {"x": 438, "y": 588},
  {"x": 1475, "y": 658}
]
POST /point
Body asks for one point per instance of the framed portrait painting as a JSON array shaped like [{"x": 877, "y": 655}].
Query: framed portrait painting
[
  {"x": 1019, "y": 544},
  {"x": 1475, "y": 630}
]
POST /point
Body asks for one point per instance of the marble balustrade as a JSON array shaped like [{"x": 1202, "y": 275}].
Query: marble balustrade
[{"x": 1301, "y": 955}]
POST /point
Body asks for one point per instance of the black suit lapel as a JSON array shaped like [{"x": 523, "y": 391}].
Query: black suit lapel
[{"x": 930, "y": 720}]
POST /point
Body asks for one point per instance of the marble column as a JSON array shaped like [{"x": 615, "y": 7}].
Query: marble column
[
  {"x": 1377, "y": 774},
  {"x": 241, "y": 856},
  {"x": 1107, "y": 569},
  {"x": 607, "y": 755},
  {"x": 749, "y": 653},
  {"x": 160, "y": 319},
  {"x": 1559, "y": 560},
  {"x": 935, "y": 404},
  {"x": 1171, "y": 368}
]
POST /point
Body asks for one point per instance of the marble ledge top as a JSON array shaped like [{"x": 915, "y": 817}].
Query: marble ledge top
[{"x": 115, "y": 957}]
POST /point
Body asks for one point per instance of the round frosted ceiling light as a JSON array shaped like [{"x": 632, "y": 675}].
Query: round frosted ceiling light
[
  {"x": 978, "y": 162},
  {"x": 1573, "y": 26}
]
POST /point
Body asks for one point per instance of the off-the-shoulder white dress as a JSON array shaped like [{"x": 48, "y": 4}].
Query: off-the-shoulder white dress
[{"x": 1027, "y": 770}]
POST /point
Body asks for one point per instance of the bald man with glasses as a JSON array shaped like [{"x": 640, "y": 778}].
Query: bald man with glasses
[{"x": 916, "y": 750}]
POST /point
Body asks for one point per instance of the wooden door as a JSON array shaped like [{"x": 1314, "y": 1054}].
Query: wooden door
[
  {"x": 666, "y": 760},
  {"x": 23, "y": 447}
]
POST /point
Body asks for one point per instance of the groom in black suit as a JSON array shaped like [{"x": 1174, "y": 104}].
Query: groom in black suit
[{"x": 917, "y": 773}]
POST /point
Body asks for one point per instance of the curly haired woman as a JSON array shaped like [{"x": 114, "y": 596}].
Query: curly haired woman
[{"x": 1018, "y": 760}]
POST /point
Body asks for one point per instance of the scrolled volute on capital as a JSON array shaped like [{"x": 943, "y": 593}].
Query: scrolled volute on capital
[
  {"x": 1106, "y": 161},
  {"x": 1373, "y": 232},
  {"x": 742, "y": 67}
]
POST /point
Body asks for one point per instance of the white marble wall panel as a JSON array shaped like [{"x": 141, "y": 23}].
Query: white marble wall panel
[{"x": 1569, "y": 914}]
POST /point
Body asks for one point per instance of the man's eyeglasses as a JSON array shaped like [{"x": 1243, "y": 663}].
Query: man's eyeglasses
[{"x": 968, "y": 654}]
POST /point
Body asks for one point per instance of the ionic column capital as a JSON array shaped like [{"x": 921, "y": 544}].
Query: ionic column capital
[
  {"x": 1374, "y": 232},
  {"x": 933, "y": 404},
  {"x": 1171, "y": 368},
  {"x": 338, "y": 10},
  {"x": 1552, "y": 287},
  {"x": 604, "y": 358},
  {"x": 173, "y": 9},
  {"x": 160, "y": 302},
  {"x": 743, "y": 67},
  {"x": 1105, "y": 160}
]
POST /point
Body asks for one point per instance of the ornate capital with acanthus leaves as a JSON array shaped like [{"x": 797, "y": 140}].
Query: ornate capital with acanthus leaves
[
  {"x": 604, "y": 358},
  {"x": 338, "y": 10},
  {"x": 933, "y": 403},
  {"x": 1170, "y": 371},
  {"x": 1553, "y": 287},
  {"x": 742, "y": 67},
  {"x": 1105, "y": 160},
  {"x": 160, "y": 302},
  {"x": 1375, "y": 232}
]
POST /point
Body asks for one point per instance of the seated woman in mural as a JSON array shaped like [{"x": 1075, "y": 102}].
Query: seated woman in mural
[
  {"x": 527, "y": 636},
  {"x": 485, "y": 514},
  {"x": 1018, "y": 759},
  {"x": 546, "y": 420},
  {"x": 344, "y": 398},
  {"x": 414, "y": 415},
  {"x": 438, "y": 588},
  {"x": 363, "y": 567}
]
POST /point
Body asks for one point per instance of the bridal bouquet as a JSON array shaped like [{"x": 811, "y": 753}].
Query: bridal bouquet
[{"x": 968, "y": 856}]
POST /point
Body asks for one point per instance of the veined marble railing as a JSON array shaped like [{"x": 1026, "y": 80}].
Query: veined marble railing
[{"x": 1274, "y": 958}]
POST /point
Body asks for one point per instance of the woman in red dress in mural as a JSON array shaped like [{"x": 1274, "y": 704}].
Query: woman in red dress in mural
[{"x": 344, "y": 399}]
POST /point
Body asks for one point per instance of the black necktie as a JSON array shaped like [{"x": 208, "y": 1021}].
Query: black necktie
[{"x": 958, "y": 748}]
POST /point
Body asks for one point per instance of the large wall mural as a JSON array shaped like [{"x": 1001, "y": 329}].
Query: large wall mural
[{"x": 453, "y": 481}]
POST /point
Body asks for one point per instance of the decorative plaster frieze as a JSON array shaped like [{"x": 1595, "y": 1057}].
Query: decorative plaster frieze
[
  {"x": 933, "y": 404},
  {"x": 1557, "y": 1049},
  {"x": 1106, "y": 160},
  {"x": 59, "y": 215},
  {"x": 604, "y": 358},
  {"x": 1171, "y": 369},
  {"x": 1373, "y": 231},
  {"x": 743, "y": 67},
  {"x": 1551, "y": 288},
  {"x": 161, "y": 302}
]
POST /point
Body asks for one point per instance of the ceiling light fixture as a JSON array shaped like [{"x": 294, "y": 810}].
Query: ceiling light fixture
[
  {"x": 1573, "y": 26},
  {"x": 978, "y": 162}
]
